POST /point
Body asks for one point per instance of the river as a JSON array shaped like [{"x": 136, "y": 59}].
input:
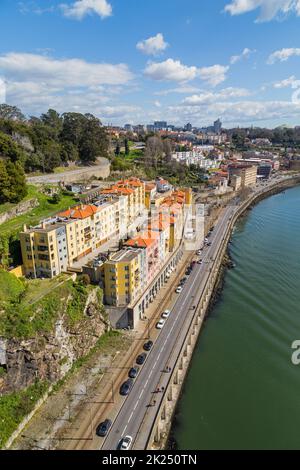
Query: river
[{"x": 242, "y": 390}]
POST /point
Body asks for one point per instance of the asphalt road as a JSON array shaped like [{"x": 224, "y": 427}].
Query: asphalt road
[{"x": 135, "y": 410}]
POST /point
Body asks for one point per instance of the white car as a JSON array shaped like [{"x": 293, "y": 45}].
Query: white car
[
  {"x": 160, "y": 324},
  {"x": 166, "y": 314},
  {"x": 178, "y": 290},
  {"x": 126, "y": 443}
]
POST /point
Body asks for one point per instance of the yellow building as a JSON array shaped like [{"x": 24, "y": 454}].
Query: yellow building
[
  {"x": 44, "y": 250},
  {"x": 123, "y": 277}
]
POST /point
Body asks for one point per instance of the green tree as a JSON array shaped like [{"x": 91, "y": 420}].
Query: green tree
[
  {"x": 127, "y": 150},
  {"x": 11, "y": 112},
  {"x": 118, "y": 149},
  {"x": 4, "y": 183},
  {"x": 17, "y": 180}
]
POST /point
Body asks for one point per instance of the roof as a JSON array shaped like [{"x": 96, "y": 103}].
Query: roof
[
  {"x": 144, "y": 240},
  {"x": 79, "y": 212}
]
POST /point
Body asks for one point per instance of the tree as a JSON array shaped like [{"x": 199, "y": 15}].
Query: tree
[
  {"x": 154, "y": 151},
  {"x": 118, "y": 149},
  {"x": 53, "y": 120},
  {"x": 4, "y": 183},
  {"x": 167, "y": 146},
  {"x": 11, "y": 112},
  {"x": 16, "y": 176},
  {"x": 126, "y": 147}
]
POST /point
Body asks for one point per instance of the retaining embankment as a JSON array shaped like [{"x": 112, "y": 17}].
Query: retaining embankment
[{"x": 161, "y": 427}]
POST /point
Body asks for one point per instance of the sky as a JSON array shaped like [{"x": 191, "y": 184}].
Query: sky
[{"x": 137, "y": 61}]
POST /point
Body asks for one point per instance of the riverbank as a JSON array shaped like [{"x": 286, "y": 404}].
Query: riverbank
[{"x": 170, "y": 441}]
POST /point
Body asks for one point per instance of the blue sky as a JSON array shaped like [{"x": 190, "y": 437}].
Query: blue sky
[{"x": 138, "y": 61}]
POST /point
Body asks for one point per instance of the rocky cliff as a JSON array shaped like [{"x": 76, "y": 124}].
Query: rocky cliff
[{"x": 47, "y": 356}]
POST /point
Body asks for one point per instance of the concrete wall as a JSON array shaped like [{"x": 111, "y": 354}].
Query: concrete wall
[
  {"x": 19, "y": 209},
  {"x": 101, "y": 170}
]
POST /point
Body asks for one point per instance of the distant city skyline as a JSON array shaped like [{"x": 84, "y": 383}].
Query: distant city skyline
[{"x": 194, "y": 62}]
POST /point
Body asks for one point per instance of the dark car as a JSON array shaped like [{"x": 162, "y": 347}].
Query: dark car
[
  {"x": 141, "y": 359},
  {"x": 182, "y": 282},
  {"x": 188, "y": 272},
  {"x": 103, "y": 428},
  {"x": 126, "y": 387},
  {"x": 148, "y": 345},
  {"x": 133, "y": 372},
  {"x": 209, "y": 244}
]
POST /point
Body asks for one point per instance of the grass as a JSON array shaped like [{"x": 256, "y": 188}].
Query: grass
[
  {"x": 10, "y": 287},
  {"x": 15, "y": 406},
  {"x": 45, "y": 209},
  {"x": 32, "y": 308}
]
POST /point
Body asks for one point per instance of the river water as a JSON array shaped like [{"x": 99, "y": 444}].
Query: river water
[{"x": 242, "y": 390}]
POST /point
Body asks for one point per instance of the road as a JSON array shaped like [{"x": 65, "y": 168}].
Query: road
[
  {"x": 136, "y": 409},
  {"x": 78, "y": 174}
]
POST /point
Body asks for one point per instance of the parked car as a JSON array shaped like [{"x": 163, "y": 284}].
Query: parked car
[
  {"x": 141, "y": 359},
  {"x": 200, "y": 261},
  {"x": 160, "y": 324},
  {"x": 133, "y": 372},
  {"x": 103, "y": 428},
  {"x": 126, "y": 443},
  {"x": 166, "y": 314},
  {"x": 179, "y": 290},
  {"x": 126, "y": 387},
  {"x": 148, "y": 345}
]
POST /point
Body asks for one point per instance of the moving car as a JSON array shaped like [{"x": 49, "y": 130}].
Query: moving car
[
  {"x": 126, "y": 387},
  {"x": 126, "y": 443},
  {"x": 148, "y": 345},
  {"x": 133, "y": 372},
  {"x": 166, "y": 314},
  {"x": 103, "y": 428},
  {"x": 160, "y": 324},
  {"x": 141, "y": 359}
]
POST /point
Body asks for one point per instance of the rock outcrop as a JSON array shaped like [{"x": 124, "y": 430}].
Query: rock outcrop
[{"x": 48, "y": 357}]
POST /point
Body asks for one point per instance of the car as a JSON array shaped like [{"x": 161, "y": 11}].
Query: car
[
  {"x": 188, "y": 271},
  {"x": 133, "y": 372},
  {"x": 179, "y": 290},
  {"x": 103, "y": 428},
  {"x": 148, "y": 345},
  {"x": 200, "y": 261},
  {"x": 206, "y": 240},
  {"x": 160, "y": 324},
  {"x": 166, "y": 314},
  {"x": 141, "y": 359},
  {"x": 126, "y": 443},
  {"x": 209, "y": 244},
  {"x": 126, "y": 387},
  {"x": 199, "y": 252}
]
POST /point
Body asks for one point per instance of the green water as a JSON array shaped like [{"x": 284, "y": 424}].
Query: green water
[{"x": 242, "y": 391}]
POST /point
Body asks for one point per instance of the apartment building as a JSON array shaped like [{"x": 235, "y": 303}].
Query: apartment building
[
  {"x": 124, "y": 277},
  {"x": 248, "y": 173},
  {"x": 44, "y": 250}
]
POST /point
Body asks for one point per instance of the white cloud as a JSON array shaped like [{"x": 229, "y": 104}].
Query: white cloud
[
  {"x": 81, "y": 8},
  {"x": 210, "y": 97},
  {"x": 269, "y": 9},
  {"x": 290, "y": 82},
  {"x": 236, "y": 113},
  {"x": 36, "y": 83},
  {"x": 213, "y": 75},
  {"x": 170, "y": 70},
  {"x": 153, "y": 45},
  {"x": 181, "y": 89},
  {"x": 62, "y": 72},
  {"x": 244, "y": 55},
  {"x": 157, "y": 104},
  {"x": 283, "y": 55}
]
